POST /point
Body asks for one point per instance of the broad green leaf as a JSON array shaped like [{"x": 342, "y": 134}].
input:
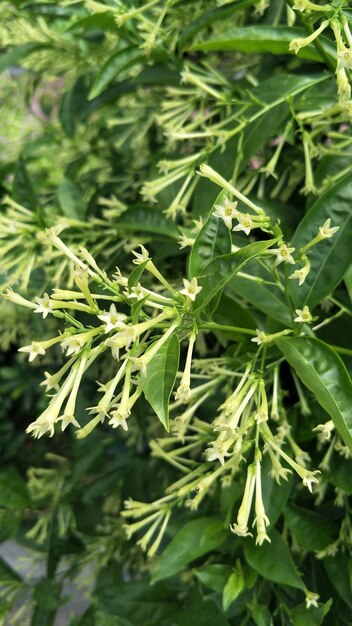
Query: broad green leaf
[
  {"x": 331, "y": 257},
  {"x": 218, "y": 272},
  {"x": 72, "y": 107},
  {"x": 210, "y": 17},
  {"x": 136, "y": 274},
  {"x": 13, "y": 490},
  {"x": 135, "y": 603},
  {"x": 213, "y": 240},
  {"x": 22, "y": 189},
  {"x": 322, "y": 371},
  {"x": 314, "y": 616},
  {"x": 317, "y": 97},
  {"x": 8, "y": 575},
  {"x": 70, "y": 199},
  {"x": 340, "y": 472},
  {"x": 273, "y": 561},
  {"x": 337, "y": 569},
  {"x": 265, "y": 298},
  {"x": 198, "y": 611},
  {"x": 121, "y": 60},
  {"x": 233, "y": 588},
  {"x": 311, "y": 530},
  {"x": 272, "y": 92},
  {"x": 274, "y": 496},
  {"x": 96, "y": 21},
  {"x": 196, "y": 538},
  {"x": 8, "y": 524},
  {"x": 159, "y": 378},
  {"x": 231, "y": 313},
  {"x": 213, "y": 576},
  {"x": 260, "y": 38},
  {"x": 261, "y": 615},
  {"x": 143, "y": 219}
]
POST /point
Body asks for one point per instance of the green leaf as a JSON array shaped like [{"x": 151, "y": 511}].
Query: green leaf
[
  {"x": 273, "y": 561},
  {"x": 8, "y": 575},
  {"x": 70, "y": 199},
  {"x": 322, "y": 371},
  {"x": 198, "y": 611},
  {"x": 96, "y": 21},
  {"x": 231, "y": 313},
  {"x": 196, "y": 538},
  {"x": 233, "y": 588},
  {"x": 261, "y": 615},
  {"x": 213, "y": 240},
  {"x": 22, "y": 190},
  {"x": 265, "y": 298},
  {"x": 146, "y": 220},
  {"x": 136, "y": 274},
  {"x": 314, "y": 616},
  {"x": 71, "y": 107},
  {"x": 159, "y": 378},
  {"x": 209, "y": 17},
  {"x": 340, "y": 472},
  {"x": 218, "y": 272},
  {"x": 337, "y": 570},
  {"x": 213, "y": 576},
  {"x": 331, "y": 257},
  {"x": 311, "y": 530},
  {"x": 121, "y": 60},
  {"x": 274, "y": 496},
  {"x": 260, "y": 38},
  {"x": 13, "y": 490}
]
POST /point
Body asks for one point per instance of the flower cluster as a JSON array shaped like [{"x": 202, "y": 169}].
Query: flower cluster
[{"x": 126, "y": 334}]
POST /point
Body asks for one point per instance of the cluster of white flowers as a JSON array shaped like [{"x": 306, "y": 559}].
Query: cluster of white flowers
[{"x": 118, "y": 332}]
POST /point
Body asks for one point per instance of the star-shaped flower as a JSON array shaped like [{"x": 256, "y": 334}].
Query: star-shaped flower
[
  {"x": 119, "y": 418},
  {"x": 301, "y": 274},
  {"x": 283, "y": 254},
  {"x": 44, "y": 305},
  {"x": 245, "y": 223},
  {"x": 311, "y": 599},
  {"x": 191, "y": 288},
  {"x": 33, "y": 349},
  {"x": 113, "y": 319},
  {"x": 226, "y": 211},
  {"x": 260, "y": 338},
  {"x": 141, "y": 256},
  {"x": 241, "y": 531},
  {"x": 344, "y": 59},
  {"x": 325, "y": 231},
  {"x": 309, "y": 479},
  {"x": 217, "y": 452},
  {"x": 303, "y": 315}
]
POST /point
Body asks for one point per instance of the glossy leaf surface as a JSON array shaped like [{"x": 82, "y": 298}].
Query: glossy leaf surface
[
  {"x": 273, "y": 561},
  {"x": 159, "y": 378},
  {"x": 331, "y": 257},
  {"x": 196, "y": 538},
  {"x": 218, "y": 272},
  {"x": 322, "y": 371}
]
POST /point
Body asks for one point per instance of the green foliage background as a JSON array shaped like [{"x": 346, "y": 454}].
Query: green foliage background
[{"x": 107, "y": 111}]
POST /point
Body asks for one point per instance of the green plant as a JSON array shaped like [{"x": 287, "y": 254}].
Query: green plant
[{"x": 176, "y": 207}]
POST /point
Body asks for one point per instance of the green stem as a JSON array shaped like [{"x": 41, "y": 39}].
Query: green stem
[{"x": 226, "y": 328}]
